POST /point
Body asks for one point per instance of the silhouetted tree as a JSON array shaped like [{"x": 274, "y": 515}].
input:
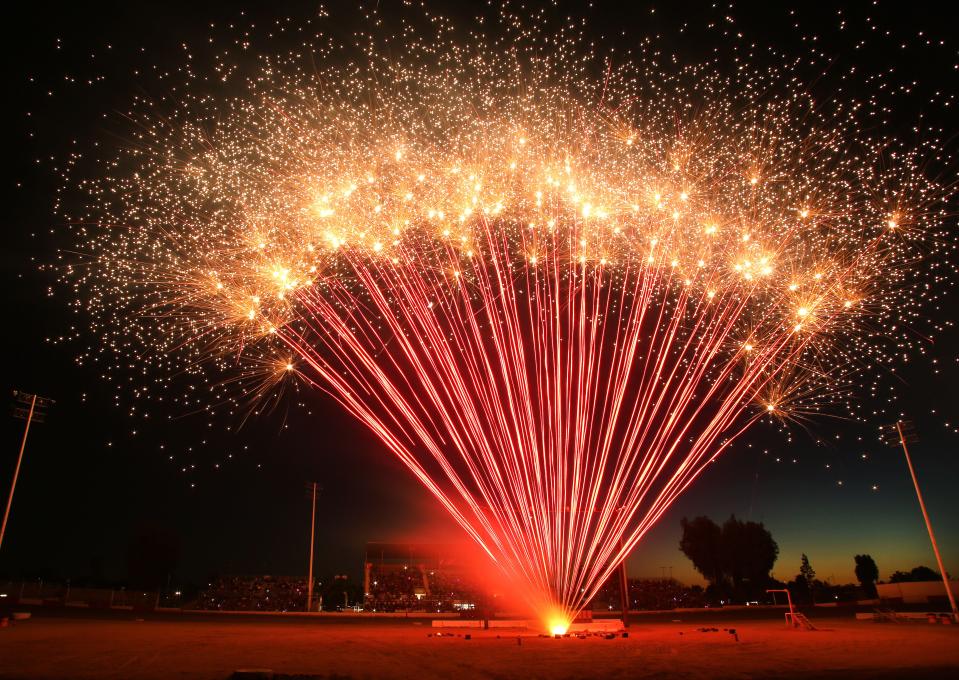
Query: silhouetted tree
[
  {"x": 736, "y": 558},
  {"x": 749, "y": 553},
  {"x": 702, "y": 544},
  {"x": 806, "y": 571},
  {"x": 920, "y": 573},
  {"x": 867, "y": 573},
  {"x": 805, "y": 582}
]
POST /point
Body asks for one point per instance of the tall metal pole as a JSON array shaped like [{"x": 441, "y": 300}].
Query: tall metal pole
[
  {"x": 16, "y": 472},
  {"x": 309, "y": 586},
  {"x": 925, "y": 515},
  {"x": 624, "y": 588}
]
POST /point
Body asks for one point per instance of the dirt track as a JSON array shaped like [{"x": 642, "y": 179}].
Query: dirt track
[{"x": 52, "y": 648}]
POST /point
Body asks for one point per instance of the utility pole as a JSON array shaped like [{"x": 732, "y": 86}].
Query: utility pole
[
  {"x": 906, "y": 432},
  {"x": 30, "y": 408},
  {"x": 309, "y": 585}
]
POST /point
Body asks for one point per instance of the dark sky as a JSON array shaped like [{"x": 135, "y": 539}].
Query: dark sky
[{"x": 89, "y": 484}]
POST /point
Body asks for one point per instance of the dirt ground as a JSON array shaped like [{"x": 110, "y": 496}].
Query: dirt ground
[{"x": 53, "y": 647}]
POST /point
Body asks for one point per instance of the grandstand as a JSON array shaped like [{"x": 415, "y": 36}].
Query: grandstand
[
  {"x": 417, "y": 577},
  {"x": 254, "y": 593}
]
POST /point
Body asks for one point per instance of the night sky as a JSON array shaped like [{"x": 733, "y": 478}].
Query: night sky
[{"x": 236, "y": 502}]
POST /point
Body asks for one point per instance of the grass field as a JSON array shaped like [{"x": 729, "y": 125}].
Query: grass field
[{"x": 53, "y": 646}]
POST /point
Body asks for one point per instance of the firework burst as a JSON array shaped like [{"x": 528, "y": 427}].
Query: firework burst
[{"x": 556, "y": 287}]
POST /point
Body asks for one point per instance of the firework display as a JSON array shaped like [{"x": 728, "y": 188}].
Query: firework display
[{"x": 555, "y": 285}]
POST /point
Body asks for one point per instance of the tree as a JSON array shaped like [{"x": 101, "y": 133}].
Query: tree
[
  {"x": 701, "y": 543},
  {"x": 749, "y": 553},
  {"x": 920, "y": 573},
  {"x": 867, "y": 573},
  {"x": 736, "y": 558},
  {"x": 806, "y": 571},
  {"x": 807, "y": 576}
]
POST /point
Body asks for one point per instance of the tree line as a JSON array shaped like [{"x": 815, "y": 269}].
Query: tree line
[{"x": 737, "y": 558}]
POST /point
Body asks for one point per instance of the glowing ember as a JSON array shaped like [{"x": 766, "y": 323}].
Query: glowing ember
[{"x": 555, "y": 298}]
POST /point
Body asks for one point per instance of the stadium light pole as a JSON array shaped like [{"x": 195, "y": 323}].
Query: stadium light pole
[
  {"x": 905, "y": 432},
  {"x": 34, "y": 412},
  {"x": 309, "y": 585},
  {"x": 624, "y": 588}
]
